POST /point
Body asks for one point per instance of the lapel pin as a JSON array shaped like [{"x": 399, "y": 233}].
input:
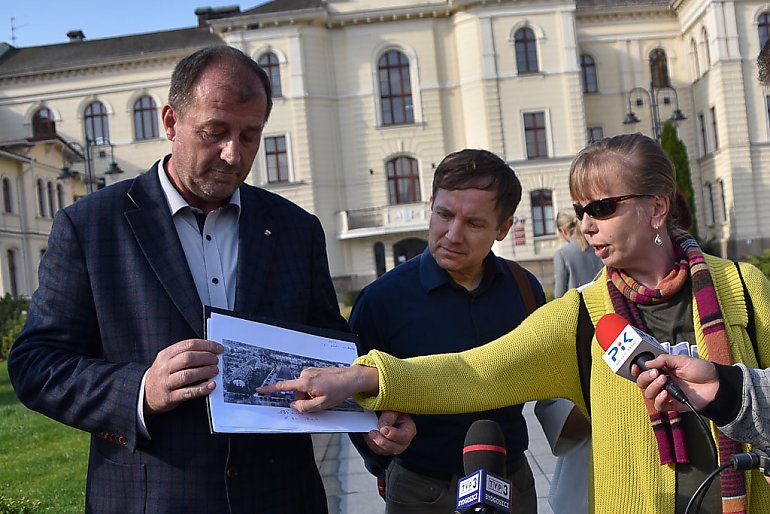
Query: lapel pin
[{"x": 267, "y": 232}]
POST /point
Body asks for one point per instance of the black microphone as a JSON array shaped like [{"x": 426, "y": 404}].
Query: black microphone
[
  {"x": 757, "y": 458},
  {"x": 484, "y": 489}
]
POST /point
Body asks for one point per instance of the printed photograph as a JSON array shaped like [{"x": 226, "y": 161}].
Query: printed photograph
[{"x": 247, "y": 367}]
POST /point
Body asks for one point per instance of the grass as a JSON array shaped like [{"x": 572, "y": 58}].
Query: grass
[{"x": 40, "y": 459}]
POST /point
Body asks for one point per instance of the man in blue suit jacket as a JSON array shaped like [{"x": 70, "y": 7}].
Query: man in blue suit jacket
[{"x": 114, "y": 345}]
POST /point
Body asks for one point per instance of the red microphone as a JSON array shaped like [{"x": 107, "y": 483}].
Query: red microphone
[{"x": 625, "y": 345}]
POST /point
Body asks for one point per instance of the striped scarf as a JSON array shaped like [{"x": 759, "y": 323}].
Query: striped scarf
[{"x": 668, "y": 429}]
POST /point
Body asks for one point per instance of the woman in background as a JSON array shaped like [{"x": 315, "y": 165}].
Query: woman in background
[
  {"x": 575, "y": 264},
  {"x": 567, "y": 430}
]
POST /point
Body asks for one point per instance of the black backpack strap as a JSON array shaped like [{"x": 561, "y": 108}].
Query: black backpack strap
[
  {"x": 583, "y": 338},
  {"x": 750, "y": 328},
  {"x": 525, "y": 286}
]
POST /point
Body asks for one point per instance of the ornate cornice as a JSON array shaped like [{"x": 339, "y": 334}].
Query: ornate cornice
[
  {"x": 167, "y": 60},
  {"x": 322, "y": 16},
  {"x": 620, "y": 14}
]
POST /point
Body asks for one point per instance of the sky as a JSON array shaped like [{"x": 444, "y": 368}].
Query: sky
[{"x": 47, "y": 22}]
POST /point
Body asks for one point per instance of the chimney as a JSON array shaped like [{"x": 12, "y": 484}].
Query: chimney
[
  {"x": 205, "y": 14},
  {"x": 76, "y": 35}
]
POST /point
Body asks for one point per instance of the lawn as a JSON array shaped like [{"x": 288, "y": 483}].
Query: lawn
[{"x": 40, "y": 459}]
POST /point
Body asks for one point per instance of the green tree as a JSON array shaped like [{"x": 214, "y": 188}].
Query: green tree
[{"x": 677, "y": 152}]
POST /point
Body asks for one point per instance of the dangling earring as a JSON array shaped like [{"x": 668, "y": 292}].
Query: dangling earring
[{"x": 658, "y": 239}]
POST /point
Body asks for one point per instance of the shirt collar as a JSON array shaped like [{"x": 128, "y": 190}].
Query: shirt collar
[
  {"x": 432, "y": 276},
  {"x": 175, "y": 201}
]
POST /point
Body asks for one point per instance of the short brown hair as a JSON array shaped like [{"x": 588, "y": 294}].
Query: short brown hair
[
  {"x": 188, "y": 71},
  {"x": 645, "y": 166},
  {"x": 480, "y": 169}
]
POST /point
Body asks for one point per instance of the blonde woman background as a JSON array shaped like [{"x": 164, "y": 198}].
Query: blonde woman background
[
  {"x": 567, "y": 430},
  {"x": 576, "y": 263}
]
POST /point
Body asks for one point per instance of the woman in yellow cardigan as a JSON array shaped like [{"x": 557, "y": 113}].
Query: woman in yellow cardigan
[{"x": 657, "y": 278}]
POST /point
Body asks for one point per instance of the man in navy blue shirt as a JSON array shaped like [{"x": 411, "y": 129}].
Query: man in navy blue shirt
[{"x": 454, "y": 296}]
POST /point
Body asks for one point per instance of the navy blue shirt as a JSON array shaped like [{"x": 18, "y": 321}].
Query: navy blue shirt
[{"x": 417, "y": 309}]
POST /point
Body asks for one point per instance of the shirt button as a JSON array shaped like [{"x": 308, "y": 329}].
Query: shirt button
[
  {"x": 208, "y": 238},
  {"x": 215, "y": 280},
  {"x": 232, "y": 472}
]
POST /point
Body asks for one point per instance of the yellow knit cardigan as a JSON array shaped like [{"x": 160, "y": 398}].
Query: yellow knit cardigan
[{"x": 537, "y": 360}]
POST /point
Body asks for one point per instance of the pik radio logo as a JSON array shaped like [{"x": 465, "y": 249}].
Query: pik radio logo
[{"x": 623, "y": 345}]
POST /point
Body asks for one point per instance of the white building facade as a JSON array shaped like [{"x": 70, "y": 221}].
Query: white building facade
[{"x": 371, "y": 94}]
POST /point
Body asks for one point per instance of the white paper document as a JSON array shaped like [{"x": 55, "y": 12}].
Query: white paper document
[{"x": 259, "y": 354}]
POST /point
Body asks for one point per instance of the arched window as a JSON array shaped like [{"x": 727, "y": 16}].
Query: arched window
[
  {"x": 40, "y": 198},
  {"x": 542, "y": 212},
  {"x": 659, "y": 68},
  {"x": 395, "y": 89},
  {"x": 51, "y": 200},
  {"x": 763, "y": 27},
  {"x": 588, "y": 74},
  {"x": 695, "y": 62},
  {"x": 706, "y": 48},
  {"x": 269, "y": 62},
  {"x": 12, "y": 281},
  {"x": 96, "y": 123},
  {"x": 403, "y": 180},
  {"x": 145, "y": 119},
  {"x": 7, "y": 206},
  {"x": 526, "y": 51},
  {"x": 43, "y": 124}
]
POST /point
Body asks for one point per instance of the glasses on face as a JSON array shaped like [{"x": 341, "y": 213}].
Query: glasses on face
[{"x": 601, "y": 209}]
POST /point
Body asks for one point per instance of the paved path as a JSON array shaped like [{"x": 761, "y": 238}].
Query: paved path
[{"x": 352, "y": 490}]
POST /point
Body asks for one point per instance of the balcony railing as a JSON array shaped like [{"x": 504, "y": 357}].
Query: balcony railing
[{"x": 383, "y": 220}]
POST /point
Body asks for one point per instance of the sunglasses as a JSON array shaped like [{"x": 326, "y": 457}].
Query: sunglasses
[{"x": 601, "y": 209}]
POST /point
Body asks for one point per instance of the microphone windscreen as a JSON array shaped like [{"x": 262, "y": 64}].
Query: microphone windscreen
[
  {"x": 484, "y": 448},
  {"x": 609, "y": 328}
]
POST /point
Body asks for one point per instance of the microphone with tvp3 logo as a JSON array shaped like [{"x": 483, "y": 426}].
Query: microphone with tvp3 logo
[
  {"x": 624, "y": 345},
  {"x": 484, "y": 489}
]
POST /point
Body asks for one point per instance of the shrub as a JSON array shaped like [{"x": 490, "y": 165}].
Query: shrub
[
  {"x": 11, "y": 307},
  {"x": 12, "y": 316},
  {"x": 760, "y": 261},
  {"x": 10, "y": 330}
]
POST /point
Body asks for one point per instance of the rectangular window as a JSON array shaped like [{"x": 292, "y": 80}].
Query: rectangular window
[
  {"x": 594, "y": 134},
  {"x": 542, "y": 212},
  {"x": 535, "y": 134},
  {"x": 710, "y": 214},
  {"x": 714, "y": 127},
  {"x": 276, "y": 159},
  {"x": 722, "y": 198},
  {"x": 704, "y": 142}
]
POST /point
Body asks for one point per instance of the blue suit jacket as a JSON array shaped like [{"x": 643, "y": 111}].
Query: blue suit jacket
[{"x": 115, "y": 289}]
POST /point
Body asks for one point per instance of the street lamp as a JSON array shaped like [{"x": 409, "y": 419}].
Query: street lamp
[
  {"x": 87, "y": 153},
  {"x": 654, "y": 100}
]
